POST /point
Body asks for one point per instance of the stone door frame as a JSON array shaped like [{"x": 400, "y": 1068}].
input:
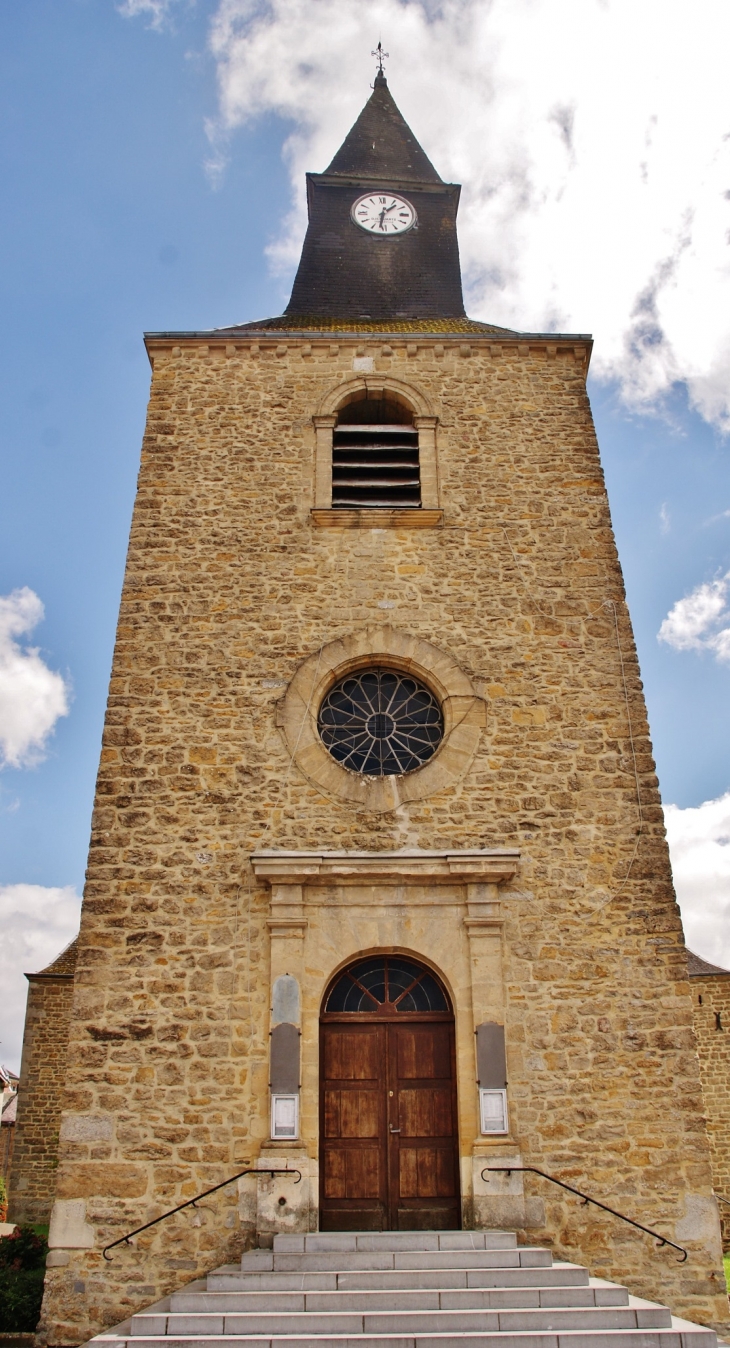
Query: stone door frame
[
  {"x": 440, "y": 897},
  {"x": 389, "y": 1208}
]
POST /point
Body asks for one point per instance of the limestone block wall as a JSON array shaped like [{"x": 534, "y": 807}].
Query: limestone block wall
[
  {"x": 232, "y": 585},
  {"x": 711, "y": 998},
  {"x": 41, "y": 1091}
]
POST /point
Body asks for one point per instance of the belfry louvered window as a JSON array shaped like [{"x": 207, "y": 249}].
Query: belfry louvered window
[{"x": 375, "y": 457}]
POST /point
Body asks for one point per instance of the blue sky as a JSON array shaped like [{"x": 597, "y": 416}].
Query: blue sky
[{"x": 111, "y": 224}]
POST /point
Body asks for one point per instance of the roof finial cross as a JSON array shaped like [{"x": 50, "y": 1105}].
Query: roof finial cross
[{"x": 380, "y": 56}]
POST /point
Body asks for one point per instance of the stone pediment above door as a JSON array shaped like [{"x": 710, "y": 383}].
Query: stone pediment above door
[{"x": 491, "y": 866}]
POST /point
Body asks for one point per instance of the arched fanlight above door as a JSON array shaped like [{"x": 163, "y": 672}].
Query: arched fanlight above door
[{"x": 383, "y": 985}]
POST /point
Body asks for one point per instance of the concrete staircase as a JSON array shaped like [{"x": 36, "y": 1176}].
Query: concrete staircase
[{"x": 394, "y": 1289}]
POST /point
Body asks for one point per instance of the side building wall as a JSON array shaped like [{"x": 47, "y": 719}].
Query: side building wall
[
  {"x": 711, "y": 999},
  {"x": 7, "y": 1138},
  {"x": 41, "y": 1091}
]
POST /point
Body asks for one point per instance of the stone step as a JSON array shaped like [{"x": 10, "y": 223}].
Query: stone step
[
  {"x": 331, "y": 1324},
  {"x": 680, "y": 1334},
  {"x": 432, "y": 1289},
  {"x": 322, "y": 1261},
  {"x": 231, "y": 1279},
  {"x": 396, "y": 1240},
  {"x": 497, "y": 1298}
]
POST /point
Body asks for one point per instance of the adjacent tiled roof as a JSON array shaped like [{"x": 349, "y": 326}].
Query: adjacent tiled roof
[
  {"x": 64, "y": 964},
  {"x": 10, "y": 1111},
  {"x": 385, "y": 326},
  {"x": 698, "y": 968},
  {"x": 381, "y": 144},
  {"x": 297, "y": 325}
]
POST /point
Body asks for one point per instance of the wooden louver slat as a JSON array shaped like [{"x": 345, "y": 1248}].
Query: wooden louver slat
[{"x": 375, "y": 466}]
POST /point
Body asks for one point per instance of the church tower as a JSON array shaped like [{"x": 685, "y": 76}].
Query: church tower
[{"x": 378, "y": 892}]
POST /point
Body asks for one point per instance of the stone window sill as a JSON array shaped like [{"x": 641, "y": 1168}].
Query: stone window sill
[{"x": 377, "y": 519}]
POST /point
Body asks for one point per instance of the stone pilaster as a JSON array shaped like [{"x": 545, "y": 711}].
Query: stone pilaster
[{"x": 498, "y": 1201}]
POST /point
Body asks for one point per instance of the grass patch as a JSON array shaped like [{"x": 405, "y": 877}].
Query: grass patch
[
  {"x": 726, "y": 1263},
  {"x": 22, "y": 1268}
]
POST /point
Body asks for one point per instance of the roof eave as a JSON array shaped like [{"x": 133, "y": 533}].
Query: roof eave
[
  {"x": 362, "y": 334},
  {"x": 380, "y": 180}
]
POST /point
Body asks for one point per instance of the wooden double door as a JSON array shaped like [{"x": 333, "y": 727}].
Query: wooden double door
[{"x": 388, "y": 1128}]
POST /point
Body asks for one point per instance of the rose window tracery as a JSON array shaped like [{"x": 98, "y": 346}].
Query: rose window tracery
[{"x": 381, "y": 723}]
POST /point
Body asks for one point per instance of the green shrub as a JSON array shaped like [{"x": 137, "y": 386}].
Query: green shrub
[{"x": 22, "y": 1267}]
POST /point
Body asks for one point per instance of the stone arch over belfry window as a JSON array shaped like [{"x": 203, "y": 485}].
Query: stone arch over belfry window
[
  {"x": 462, "y": 705},
  {"x": 407, "y": 396}
]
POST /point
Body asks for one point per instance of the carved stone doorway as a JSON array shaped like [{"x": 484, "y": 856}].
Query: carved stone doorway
[{"x": 388, "y": 1121}]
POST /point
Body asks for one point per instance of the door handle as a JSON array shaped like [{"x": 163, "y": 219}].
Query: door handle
[{"x": 394, "y": 1130}]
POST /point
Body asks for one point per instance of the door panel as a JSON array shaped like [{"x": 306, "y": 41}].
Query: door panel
[
  {"x": 421, "y": 1176},
  {"x": 424, "y": 1050},
  {"x": 424, "y": 1190},
  {"x": 425, "y": 1112},
  {"x": 389, "y": 1132},
  {"x": 426, "y": 1172},
  {"x": 360, "y": 1114},
  {"x": 352, "y": 1175},
  {"x": 353, "y": 1053},
  {"x": 351, "y": 1113},
  {"x": 354, "y": 1159}
]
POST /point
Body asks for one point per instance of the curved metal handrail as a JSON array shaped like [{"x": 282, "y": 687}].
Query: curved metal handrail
[
  {"x": 586, "y": 1198},
  {"x": 191, "y": 1203}
]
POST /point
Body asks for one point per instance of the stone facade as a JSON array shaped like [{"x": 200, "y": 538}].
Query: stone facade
[
  {"x": 42, "y": 1089},
  {"x": 225, "y": 852},
  {"x": 711, "y": 997}
]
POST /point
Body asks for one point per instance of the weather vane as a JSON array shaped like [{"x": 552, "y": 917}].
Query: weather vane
[{"x": 381, "y": 56}]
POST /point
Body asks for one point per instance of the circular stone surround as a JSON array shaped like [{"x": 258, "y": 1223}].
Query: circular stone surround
[{"x": 463, "y": 711}]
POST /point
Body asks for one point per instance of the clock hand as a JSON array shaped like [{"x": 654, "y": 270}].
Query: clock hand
[{"x": 384, "y": 212}]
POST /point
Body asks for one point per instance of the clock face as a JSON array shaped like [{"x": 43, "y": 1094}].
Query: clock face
[{"x": 383, "y": 214}]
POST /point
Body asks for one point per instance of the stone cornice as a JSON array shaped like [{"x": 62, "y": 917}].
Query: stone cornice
[
  {"x": 475, "y": 865},
  {"x": 50, "y": 978}
]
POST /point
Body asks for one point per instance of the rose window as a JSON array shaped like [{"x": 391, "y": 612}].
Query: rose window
[{"x": 381, "y": 723}]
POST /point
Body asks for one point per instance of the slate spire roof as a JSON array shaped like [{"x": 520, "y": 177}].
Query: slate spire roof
[
  {"x": 348, "y": 280},
  {"x": 382, "y": 145},
  {"x": 348, "y": 274}
]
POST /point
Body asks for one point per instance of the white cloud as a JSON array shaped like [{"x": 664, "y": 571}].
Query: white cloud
[
  {"x": 37, "y": 923},
  {"x": 32, "y": 696},
  {"x": 699, "y": 844},
  {"x": 157, "y": 11},
  {"x": 665, "y": 519},
  {"x": 701, "y": 621},
  {"x": 591, "y": 139}
]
